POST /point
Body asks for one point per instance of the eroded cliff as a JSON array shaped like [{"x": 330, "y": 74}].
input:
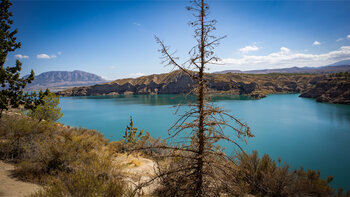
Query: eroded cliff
[{"x": 178, "y": 82}]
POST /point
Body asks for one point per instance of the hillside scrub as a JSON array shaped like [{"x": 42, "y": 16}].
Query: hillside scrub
[
  {"x": 266, "y": 177},
  {"x": 82, "y": 184},
  {"x": 259, "y": 176},
  {"x": 68, "y": 161},
  {"x": 74, "y": 161}
]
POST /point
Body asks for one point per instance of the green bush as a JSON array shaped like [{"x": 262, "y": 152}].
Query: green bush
[
  {"x": 132, "y": 135},
  {"x": 138, "y": 141},
  {"x": 48, "y": 108}
]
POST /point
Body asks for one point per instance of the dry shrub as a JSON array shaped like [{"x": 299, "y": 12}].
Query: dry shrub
[
  {"x": 70, "y": 161},
  {"x": 141, "y": 146},
  {"x": 19, "y": 134},
  {"x": 82, "y": 184},
  {"x": 54, "y": 148},
  {"x": 264, "y": 177}
]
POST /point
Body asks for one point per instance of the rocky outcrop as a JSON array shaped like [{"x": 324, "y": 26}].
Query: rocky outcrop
[
  {"x": 178, "y": 82},
  {"x": 330, "y": 89},
  {"x": 256, "y": 86}
]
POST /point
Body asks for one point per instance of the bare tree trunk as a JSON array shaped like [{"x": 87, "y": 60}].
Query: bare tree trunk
[
  {"x": 199, "y": 168},
  {"x": 201, "y": 108}
]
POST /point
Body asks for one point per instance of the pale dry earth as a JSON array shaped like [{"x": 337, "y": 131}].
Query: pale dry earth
[
  {"x": 12, "y": 187},
  {"x": 135, "y": 170}
]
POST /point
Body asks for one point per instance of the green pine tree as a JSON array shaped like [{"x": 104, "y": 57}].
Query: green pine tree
[
  {"x": 11, "y": 93},
  {"x": 46, "y": 107},
  {"x": 131, "y": 134}
]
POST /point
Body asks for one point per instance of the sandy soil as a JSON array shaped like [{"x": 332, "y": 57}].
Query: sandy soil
[
  {"x": 10, "y": 186},
  {"x": 136, "y": 170}
]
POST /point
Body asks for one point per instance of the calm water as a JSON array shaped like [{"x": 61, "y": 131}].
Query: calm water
[{"x": 301, "y": 131}]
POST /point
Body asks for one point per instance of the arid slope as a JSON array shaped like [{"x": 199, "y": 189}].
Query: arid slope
[{"x": 255, "y": 85}]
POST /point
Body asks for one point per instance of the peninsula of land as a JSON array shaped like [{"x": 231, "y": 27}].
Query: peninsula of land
[{"x": 331, "y": 88}]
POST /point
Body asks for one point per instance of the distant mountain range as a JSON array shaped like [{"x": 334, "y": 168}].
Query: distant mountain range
[
  {"x": 342, "y": 66},
  {"x": 59, "y": 80}
]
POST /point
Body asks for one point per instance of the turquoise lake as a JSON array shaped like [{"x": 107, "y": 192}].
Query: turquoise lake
[{"x": 301, "y": 131}]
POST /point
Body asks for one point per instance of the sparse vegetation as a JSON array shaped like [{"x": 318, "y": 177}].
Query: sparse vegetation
[
  {"x": 82, "y": 184},
  {"x": 266, "y": 177},
  {"x": 345, "y": 75},
  {"x": 78, "y": 162},
  {"x": 69, "y": 160}
]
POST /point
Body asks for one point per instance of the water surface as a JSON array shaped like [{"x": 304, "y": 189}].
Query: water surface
[{"x": 299, "y": 130}]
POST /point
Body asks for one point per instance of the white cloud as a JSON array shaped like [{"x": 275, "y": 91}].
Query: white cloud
[
  {"x": 135, "y": 75},
  {"x": 284, "y": 50},
  {"x": 137, "y": 24},
  {"x": 59, "y": 53},
  {"x": 248, "y": 48},
  {"x": 348, "y": 36},
  {"x": 283, "y": 59},
  {"x": 316, "y": 43},
  {"x": 45, "y": 56},
  {"x": 339, "y": 39},
  {"x": 19, "y": 56}
]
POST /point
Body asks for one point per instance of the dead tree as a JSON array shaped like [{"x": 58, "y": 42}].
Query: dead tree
[{"x": 196, "y": 165}]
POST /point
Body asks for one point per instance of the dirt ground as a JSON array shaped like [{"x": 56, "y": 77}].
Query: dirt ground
[
  {"x": 10, "y": 186},
  {"x": 136, "y": 170}
]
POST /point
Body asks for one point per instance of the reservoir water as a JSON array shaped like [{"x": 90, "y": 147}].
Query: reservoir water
[{"x": 301, "y": 131}]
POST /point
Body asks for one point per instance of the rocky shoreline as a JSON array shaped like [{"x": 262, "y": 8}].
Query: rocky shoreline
[
  {"x": 321, "y": 87},
  {"x": 330, "y": 89}
]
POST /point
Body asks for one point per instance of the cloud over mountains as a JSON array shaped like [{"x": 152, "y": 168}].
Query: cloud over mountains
[
  {"x": 283, "y": 59},
  {"x": 248, "y": 48}
]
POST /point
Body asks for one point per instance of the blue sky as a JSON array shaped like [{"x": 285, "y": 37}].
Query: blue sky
[{"x": 115, "y": 39}]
